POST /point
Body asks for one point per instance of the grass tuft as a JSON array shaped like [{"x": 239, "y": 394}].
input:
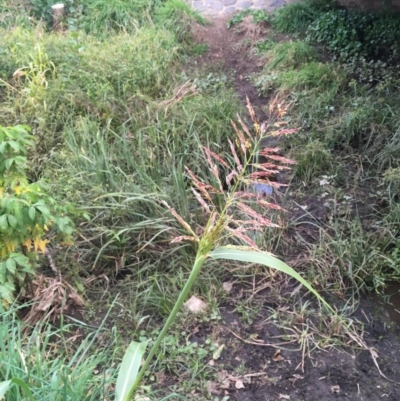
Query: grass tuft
[
  {"x": 297, "y": 17},
  {"x": 293, "y": 54}
]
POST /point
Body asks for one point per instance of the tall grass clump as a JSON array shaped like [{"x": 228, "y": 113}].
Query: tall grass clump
[
  {"x": 292, "y": 54},
  {"x": 52, "y": 365},
  {"x": 319, "y": 76},
  {"x": 321, "y": 79},
  {"x": 179, "y": 17},
  {"x": 296, "y": 18},
  {"x": 103, "y": 17},
  {"x": 13, "y": 13},
  {"x": 50, "y": 80}
]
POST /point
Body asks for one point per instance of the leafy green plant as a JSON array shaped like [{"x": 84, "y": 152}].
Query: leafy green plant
[
  {"x": 367, "y": 43},
  {"x": 235, "y": 218},
  {"x": 25, "y": 215},
  {"x": 258, "y": 16},
  {"x": 263, "y": 46}
]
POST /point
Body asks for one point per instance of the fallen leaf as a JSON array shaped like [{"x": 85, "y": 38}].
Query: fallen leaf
[
  {"x": 277, "y": 356},
  {"x": 223, "y": 379},
  {"x": 140, "y": 397},
  {"x": 217, "y": 353},
  {"x": 227, "y": 287},
  {"x": 225, "y": 383},
  {"x": 239, "y": 384},
  {"x": 196, "y": 305},
  {"x": 212, "y": 387}
]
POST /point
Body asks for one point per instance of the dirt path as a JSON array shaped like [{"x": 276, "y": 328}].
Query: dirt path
[
  {"x": 231, "y": 48},
  {"x": 304, "y": 370}
]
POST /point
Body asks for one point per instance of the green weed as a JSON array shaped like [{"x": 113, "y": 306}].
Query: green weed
[
  {"x": 312, "y": 159},
  {"x": 354, "y": 259},
  {"x": 52, "y": 367},
  {"x": 258, "y": 16},
  {"x": 263, "y": 46}
]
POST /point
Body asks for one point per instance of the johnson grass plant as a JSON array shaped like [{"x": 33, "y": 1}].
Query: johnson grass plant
[
  {"x": 232, "y": 226},
  {"x": 124, "y": 131}
]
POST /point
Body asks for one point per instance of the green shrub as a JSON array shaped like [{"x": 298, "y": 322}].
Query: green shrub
[
  {"x": 368, "y": 43},
  {"x": 258, "y": 16},
  {"x": 26, "y": 214}
]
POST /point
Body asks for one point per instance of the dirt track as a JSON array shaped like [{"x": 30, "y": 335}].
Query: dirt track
[{"x": 322, "y": 375}]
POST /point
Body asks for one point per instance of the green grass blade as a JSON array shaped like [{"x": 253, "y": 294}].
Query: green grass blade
[
  {"x": 129, "y": 370},
  {"x": 6, "y": 385},
  {"x": 263, "y": 258}
]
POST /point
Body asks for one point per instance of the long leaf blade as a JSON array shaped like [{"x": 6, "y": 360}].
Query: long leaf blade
[
  {"x": 129, "y": 369},
  {"x": 263, "y": 258},
  {"x": 6, "y": 385}
]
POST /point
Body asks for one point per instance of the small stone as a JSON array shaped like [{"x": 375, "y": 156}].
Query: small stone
[
  {"x": 217, "y": 5},
  {"x": 196, "y": 305},
  {"x": 197, "y": 4},
  {"x": 201, "y": 8},
  {"x": 244, "y": 4},
  {"x": 229, "y": 10},
  {"x": 277, "y": 3},
  {"x": 229, "y": 2}
]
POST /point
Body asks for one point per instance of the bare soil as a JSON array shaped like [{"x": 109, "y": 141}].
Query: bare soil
[{"x": 249, "y": 369}]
